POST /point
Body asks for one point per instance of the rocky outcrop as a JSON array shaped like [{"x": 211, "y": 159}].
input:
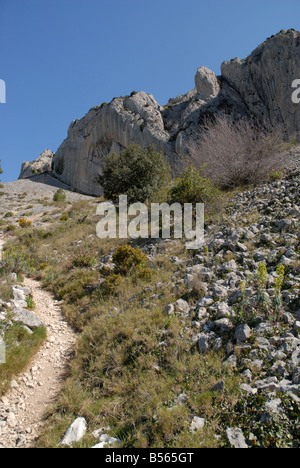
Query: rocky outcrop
[
  {"x": 105, "y": 129},
  {"x": 40, "y": 165},
  {"x": 264, "y": 80},
  {"x": 259, "y": 86}
]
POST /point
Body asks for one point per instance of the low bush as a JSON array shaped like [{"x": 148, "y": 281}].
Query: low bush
[
  {"x": 59, "y": 196},
  {"x": 15, "y": 260},
  {"x": 127, "y": 258},
  {"x": 84, "y": 260},
  {"x": 24, "y": 223},
  {"x": 195, "y": 187},
  {"x": 238, "y": 153}
]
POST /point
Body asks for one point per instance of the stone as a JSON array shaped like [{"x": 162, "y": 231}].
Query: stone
[
  {"x": 26, "y": 317},
  {"x": 204, "y": 342},
  {"x": 106, "y": 129},
  {"x": 181, "y": 399},
  {"x": 75, "y": 432},
  {"x": 197, "y": 424},
  {"x": 242, "y": 332},
  {"x": 207, "y": 84},
  {"x": 271, "y": 409},
  {"x": 223, "y": 310},
  {"x": 247, "y": 389},
  {"x": 230, "y": 266},
  {"x": 182, "y": 306},
  {"x": 223, "y": 324},
  {"x": 219, "y": 387},
  {"x": 107, "y": 441},
  {"x": 169, "y": 309},
  {"x": 236, "y": 437},
  {"x": 205, "y": 301}
]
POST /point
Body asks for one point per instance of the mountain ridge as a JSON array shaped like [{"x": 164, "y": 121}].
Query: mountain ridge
[{"x": 258, "y": 87}]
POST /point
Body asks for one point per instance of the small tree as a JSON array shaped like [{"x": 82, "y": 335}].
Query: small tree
[
  {"x": 138, "y": 173},
  {"x": 193, "y": 186},
  {"x": 59, "y": 196}
]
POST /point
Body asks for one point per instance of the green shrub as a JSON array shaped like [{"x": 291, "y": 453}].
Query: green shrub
[
  {"x": 59, "y": 196},
  {"x": 64, "y": 217},
  {"x": 194, "y": 187},
  {"x": 24, "y": 223},
  {"x": 138, "y": 173},
  {"x": 110, "y": 285},
  {"x": 14, "y": 260},
  {"x": 60, "y": 166},
  {"x": 127, "y": 258},
  {"x": 276, "y": 175},
  {"x": 84, "y": 260},
  {"x": 30, "y": 302}
]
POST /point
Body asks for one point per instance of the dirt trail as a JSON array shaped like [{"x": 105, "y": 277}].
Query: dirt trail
[{"x": 23, "y": 408}]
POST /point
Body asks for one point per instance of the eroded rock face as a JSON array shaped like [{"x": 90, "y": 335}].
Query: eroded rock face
[
  {"x": 259, "y": 86},
  {"x": 40, "y": 165},
  {"x": 106, "y": 129},
  {"x": 264, "y": 80}
]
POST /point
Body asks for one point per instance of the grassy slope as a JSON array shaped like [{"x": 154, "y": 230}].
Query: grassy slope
[{"x": 123, "y": 375}]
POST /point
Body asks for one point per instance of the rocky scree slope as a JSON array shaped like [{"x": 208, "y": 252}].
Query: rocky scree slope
[
  {"x": 259, "y": 86},
  {"x": 249, "y": 275}
]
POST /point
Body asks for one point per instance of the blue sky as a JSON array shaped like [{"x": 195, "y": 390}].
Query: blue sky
[{"x": 59, "y": 58}]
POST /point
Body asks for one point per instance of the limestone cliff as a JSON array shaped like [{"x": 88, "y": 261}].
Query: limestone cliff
[
  {"x": 41, "y": 164},
  {"x": 259, "y": 86}
]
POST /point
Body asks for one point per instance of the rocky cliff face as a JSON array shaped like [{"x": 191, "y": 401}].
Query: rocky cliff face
[
  {"x": 259, "y": 86},
  {"x": 264, "y": 80},
  {"x": 40, "y": 165}
]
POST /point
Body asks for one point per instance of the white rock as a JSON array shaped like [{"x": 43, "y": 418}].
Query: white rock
[
  {"x": 206, "y": 84},
  {"x": 197, "y": 423},
  {"x": 236, "y": 437},
  {"x": 106, "y": 440},
  {"x": 75, "y": 432}
]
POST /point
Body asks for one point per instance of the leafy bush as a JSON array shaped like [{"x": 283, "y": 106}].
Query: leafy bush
[
  {"x": 110, "y": 285},
  {"x": 195, "y": 187},
  {"x": 30, "y": 302},
  {"x": 238, "y": 153},
  {"x": 24, "y": 223},
  {"x": 60, "y": 166},
  {"x": 59, "y": 196},
  {"x": 84, "y": 260},
  {"x": 127, "y": 258},
  {"x": 138, "y": 173}
]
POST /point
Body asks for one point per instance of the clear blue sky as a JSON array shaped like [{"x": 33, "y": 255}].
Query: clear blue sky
[{"x": 59, "y": 58}]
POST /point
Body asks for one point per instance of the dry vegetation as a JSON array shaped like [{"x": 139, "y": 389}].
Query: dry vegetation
[{"x": 238, "y": 153}]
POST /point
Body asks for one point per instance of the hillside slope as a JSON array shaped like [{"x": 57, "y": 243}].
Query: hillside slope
[{"x": 185, "y": 349}]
